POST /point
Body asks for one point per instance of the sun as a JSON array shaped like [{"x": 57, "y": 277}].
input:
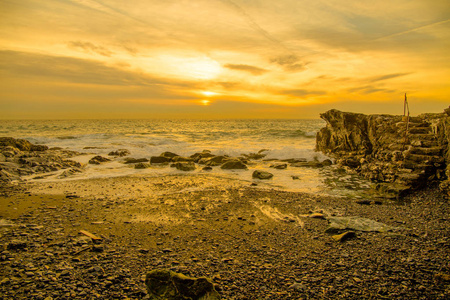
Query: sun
[
  {"x": 205, "y": 102},
  {"x": 208, "y": 93},
  {"x": 199, "y": 68}
]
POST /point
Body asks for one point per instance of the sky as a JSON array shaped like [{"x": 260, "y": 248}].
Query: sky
[{"x": 71, "y": 59}]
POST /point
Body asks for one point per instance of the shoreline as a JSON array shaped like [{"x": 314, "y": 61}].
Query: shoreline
[{"x": 254, "y": 243}]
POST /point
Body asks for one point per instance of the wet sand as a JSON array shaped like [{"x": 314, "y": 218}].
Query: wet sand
[{"x": 253, "y": 241}]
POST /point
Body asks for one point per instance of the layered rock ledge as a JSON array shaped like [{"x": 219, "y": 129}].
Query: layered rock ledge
[{"x": 400, "y": 154}]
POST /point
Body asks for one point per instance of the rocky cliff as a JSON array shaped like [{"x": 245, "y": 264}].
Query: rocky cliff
[{"x": 400, "y": 154}]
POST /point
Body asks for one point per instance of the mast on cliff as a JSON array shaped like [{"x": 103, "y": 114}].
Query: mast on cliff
[{"x": 405, "y": 119}]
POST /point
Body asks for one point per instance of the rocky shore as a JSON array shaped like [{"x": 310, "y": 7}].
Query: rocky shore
[
  {"x": 400, "y": 154},
  {"x": 99, "y": 238}
]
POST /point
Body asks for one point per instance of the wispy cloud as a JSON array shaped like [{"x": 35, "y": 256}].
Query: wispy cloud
[
  {"x": 419, "y": 28},
  {"x": 89, "y": 47},
  {"x": 246, "y": 68},
  {"x": 302, "y": 93},
  {"x": 387, "y": 76},
  {"x": 290, "y": 62}
]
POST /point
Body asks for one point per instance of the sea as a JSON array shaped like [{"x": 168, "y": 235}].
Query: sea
[{"x": 280, "y": 139}]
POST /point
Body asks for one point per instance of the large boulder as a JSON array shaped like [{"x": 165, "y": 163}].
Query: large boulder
[
  {"x": 262, "y": 175},
  {"x": 184, "y": 166},
  {"x": 168, "y": 285},
  {"x": 160, "y": 159},
  {"x": 234, "y": 164}
]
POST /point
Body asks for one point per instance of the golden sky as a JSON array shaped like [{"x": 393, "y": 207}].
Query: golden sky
[{"x": 221, "y": 58}]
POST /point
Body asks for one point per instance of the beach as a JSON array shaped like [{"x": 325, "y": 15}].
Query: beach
[{"x": 97, "y": 239}]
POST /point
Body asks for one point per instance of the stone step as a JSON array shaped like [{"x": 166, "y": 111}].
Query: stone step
[
  {"x": 415, "y": 130},
  {"x": 423, "y": 158},
  {"x": 433, "y": 151},
  {"x": 424, "y": 144},
  {"x": 422, "y": 136},
  {"x": 409, "y": 178},
  {"x": 414, "y": 166},
  {"x": 412, "y": 124}
]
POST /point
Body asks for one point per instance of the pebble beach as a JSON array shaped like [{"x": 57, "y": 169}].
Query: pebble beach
[{"x": 97, "y": 239}]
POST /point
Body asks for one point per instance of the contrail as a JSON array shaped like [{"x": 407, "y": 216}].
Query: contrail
[
  {"x": 101, "y": 7},
  {"x": 413, "y": 30},
  {"x": 253, "y": 23}
]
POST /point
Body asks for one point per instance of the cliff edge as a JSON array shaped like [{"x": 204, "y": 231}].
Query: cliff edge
[{"x": 399, "y": 153}]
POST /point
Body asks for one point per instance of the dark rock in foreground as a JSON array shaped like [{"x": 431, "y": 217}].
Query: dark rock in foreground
[
  {"x": 168, "y": 285},
  {"x": 262, "y": 175}
]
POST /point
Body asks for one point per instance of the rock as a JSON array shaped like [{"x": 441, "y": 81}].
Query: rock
[
  {"x": 185, "y": 166},
  {"x": 256, "y": 156},
  {"x": 263, "y": 175},
  {"x": 160, "y": 159},
  {"x": 169, "y": 155},
  {"x": 6, "y": 223},
  {"x": 308, "y": 164},
  {"x": 142, "y": 166},
  {"x": 363, "y": 202},
  {"x": 279, "y": 166},
  {"x": 344, "y": 236},
  {"x": 130, "y": 160},
  {"x": 2, "y": 158},
  {"x": 17, "y": 245},
  {"x": 199, "y": 155},
  {"x": 297, "y": 287},
  {"x": 120, "y": 153},
  {"x": 327, "y": 162},
  {"x": 355, "y": 223},
  {"x": 168, "y": 285},
  {"x": 22, "y": 145},
  {"x": 234, "y": 164},
  {"x": 181, "y": 159},
  {"x": 214, "y": 161},
  {"x": 317, "y": 216},
  {"x": 207, "y": 168},
  {"x": 96, "y": 160}
]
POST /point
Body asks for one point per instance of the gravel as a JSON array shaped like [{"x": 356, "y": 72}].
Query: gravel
[{"x": 254, "y": 243}]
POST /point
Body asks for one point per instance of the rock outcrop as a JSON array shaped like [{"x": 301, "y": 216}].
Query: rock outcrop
[
  {"x": 20, "y": 158},
  {"x": 399, "y": 153}
]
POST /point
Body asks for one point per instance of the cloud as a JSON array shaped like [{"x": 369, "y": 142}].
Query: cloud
[
  {"x": 246, "y": 68},
  {"x": 89, "y": 47},
  {"x": 302, "y": 93},
  {"x": 23, "y": 67},
  {"x": 369, "y": 89},
  {"x": 69, "y": 69},
  {"x": 289, "y": 62},
  {"x": 388, "y": 76}
]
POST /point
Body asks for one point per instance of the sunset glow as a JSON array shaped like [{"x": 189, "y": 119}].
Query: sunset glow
[{"x": 290, "y": 58}]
